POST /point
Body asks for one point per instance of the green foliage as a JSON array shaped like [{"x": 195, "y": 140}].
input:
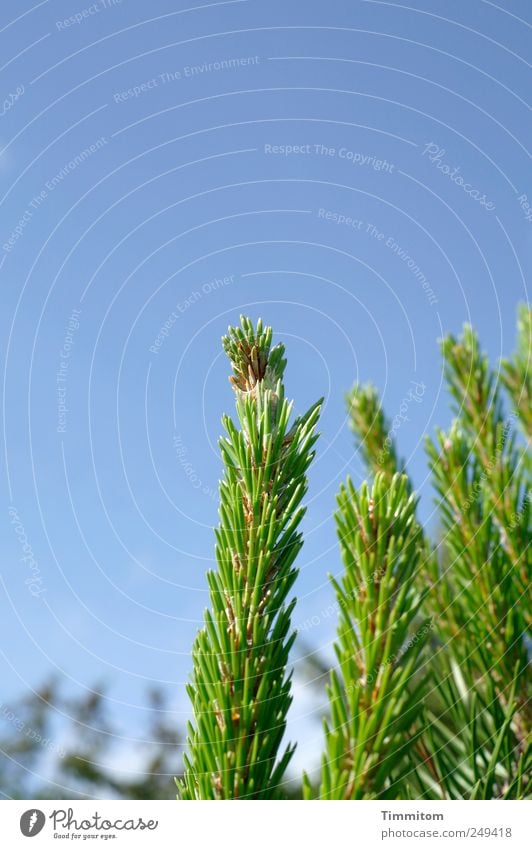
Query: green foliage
[
  {"x": 430, "y": 696},
  {"x": 470, "y": 745},
  {"x": 240, "y": 690},
  {"x": 59, "y": 745},
  {"x": 517, "y": 374},
  {"x": 481, "y": 478},
  {"x": 373, "y": 710},
  {"x": 467, "y": 733},
  {"x": 374, "y": 436},
  {"x": 372, "y": 430}
]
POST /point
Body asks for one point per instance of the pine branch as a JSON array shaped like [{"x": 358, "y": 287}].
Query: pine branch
[
  {"x": 470, "y": 749},
  {"x": 479, "y": 406},
  {"x": 482, "y": 479},
  {"x": 477, "y": 601},
  {"x": 517, "y": 373},
  {"x": 374, "y": 435},
  {"x": 373, "y": 431},
  {"x": 373, "y": 710},
  {"x": 240, "y": 690}
]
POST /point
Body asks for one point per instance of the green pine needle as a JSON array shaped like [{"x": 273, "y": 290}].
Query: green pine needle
[{"x": 240, "y": 689}]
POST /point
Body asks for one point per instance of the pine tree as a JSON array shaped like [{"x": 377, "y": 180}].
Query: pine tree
[{"x": 240, "y": 689}]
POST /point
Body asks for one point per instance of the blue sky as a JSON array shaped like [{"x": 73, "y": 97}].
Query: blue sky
[{"x": 356, "y": 173}]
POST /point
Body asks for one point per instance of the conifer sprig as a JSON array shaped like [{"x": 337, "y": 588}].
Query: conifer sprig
[
  {"x": 482, "y": 478},
  {"x": 405, "y": 722},
  {"x": 372, "y": 430},
  {"x": 374, "y": 436},
  {"x": 373, "y": 709},
  {"x": 240, "y": 689},
  {"x": 471, "y": 737}
]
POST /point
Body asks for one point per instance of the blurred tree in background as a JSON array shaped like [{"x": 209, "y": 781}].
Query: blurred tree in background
[{"x": 65, "y": 747}]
